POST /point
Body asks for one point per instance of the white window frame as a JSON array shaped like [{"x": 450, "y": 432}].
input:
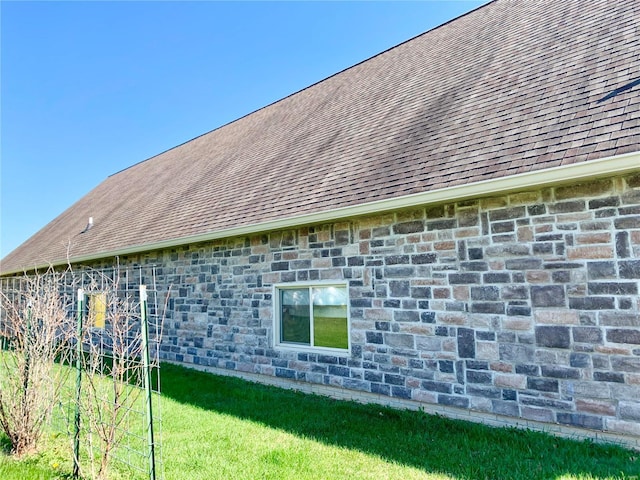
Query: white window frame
[{"x": 298, "y": 347}]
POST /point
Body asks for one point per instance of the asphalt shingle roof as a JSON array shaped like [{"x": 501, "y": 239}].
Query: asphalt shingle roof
[{"x": 511, "y": 87}]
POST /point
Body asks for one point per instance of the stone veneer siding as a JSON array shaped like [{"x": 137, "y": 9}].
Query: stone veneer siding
[{"x": 523, "y": 306}]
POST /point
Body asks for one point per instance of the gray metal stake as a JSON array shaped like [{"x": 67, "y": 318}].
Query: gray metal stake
[
  {"x": 147, "y": 381},
  {"x": 76, "y": 423}
]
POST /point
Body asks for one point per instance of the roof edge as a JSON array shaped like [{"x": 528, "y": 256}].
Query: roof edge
[{"x": 617, "y": 164}]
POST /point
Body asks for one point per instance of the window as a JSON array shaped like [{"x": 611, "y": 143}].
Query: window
[{"x": 314, "y": 316}]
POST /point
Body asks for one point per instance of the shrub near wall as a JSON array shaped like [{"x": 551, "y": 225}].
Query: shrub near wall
[{"x": 524, "y": 305}]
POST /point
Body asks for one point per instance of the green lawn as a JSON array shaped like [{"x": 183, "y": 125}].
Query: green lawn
[{"x": 224, "y": 428}]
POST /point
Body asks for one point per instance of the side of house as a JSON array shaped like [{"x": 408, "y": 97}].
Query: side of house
[
  {"x": 524, "y": 305},
  {"x": 453, "y": 223}
]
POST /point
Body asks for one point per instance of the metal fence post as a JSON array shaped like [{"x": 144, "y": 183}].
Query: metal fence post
[
  {"x": 147, "y": 381},
  {"x": 79, "y": 353}
]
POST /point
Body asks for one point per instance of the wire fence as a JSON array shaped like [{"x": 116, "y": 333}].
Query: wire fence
[{"x": 108, "y": 405}]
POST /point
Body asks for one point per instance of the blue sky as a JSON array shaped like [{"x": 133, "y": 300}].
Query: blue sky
[{"x": 90, "y": 88}]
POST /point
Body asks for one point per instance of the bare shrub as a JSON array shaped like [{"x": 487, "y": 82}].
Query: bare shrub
[
  {"x": 35, "y": 332},
  {"x": 113, "y": 368}
]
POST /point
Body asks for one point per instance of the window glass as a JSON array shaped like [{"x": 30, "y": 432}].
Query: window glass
[
  {"x": 296, "y": 316},
  {"x": 330, "y": 317}
]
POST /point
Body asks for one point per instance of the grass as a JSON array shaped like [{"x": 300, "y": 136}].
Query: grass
[{"x": 220, "y": 428}]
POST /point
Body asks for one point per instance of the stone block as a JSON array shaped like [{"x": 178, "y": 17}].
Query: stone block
[
  {"x": 586, "y": 189},
  {"x": 406, "y": 316},
  {"x": 622, "y": 245},
  {"x": 589, "y": 252},
  {"x": 424, "y": 258},
  {"x": 496, "y": 277},
  {"x": 624, "y": 335},
  {"x": 381, "y": 389},
  {"x": 629, "y": 269},
  {"x": 619, "y": 319},
  {"x": 399, "y": 288},
  {"x": 393, "y": 379},
  {"x": 374, "y": 337},
  {"x": 508, "y": 250},
  {"x": 612, "y": 288},
  {"x": 625, "y": 364},
  {"x": 556, "y": 317},
  {"x": 408, "y": 227},
  {"x": 338, "y": 262},
  {"x": 475, "y": 376},
  {"x": 622, "y": 426},
  {"x": 399, "y": 271},
  {"x": 553, "y": 336},
  {"x": 285, "y": 373},
  {"x": 398, "y": 391},
  {"x": 466, "y": 343},
  {"x": 502, "y": 407},
  {"x": 600, "y": 362},
  {"x": 487, "y": 351},
  {"x": 420, "y": 292},
  {"x": 556, "y": 371},
  {"x": 633, "y": 180},
  {"x": 446, "y": 224},
  {"x": 453, "y": 401},
  {"x": 371, "y": 376},
  {"x": 511, "y": 381},
  {"x": 592, "y": 303},
  {"x": 601, "y": 270},
  {"x": 515, "y": 323},
  {"x": 279, "y": 266},
  {"x": 593, "y": 238},
  {"x": 604, "y": 203},
  {"x": 548, "y": 296},
  {"x": 339, "y": 371},
  {"x": 514, "y": 292},
  {"x": 627, "y": 222},
  {"x": 478, "y": 391},
  {"x": 399, "y": 340},
  {"x": 538, "y": 414},
  {"x": 440, "y": 387},
  {"x": 522, "y": 354},
  {"x": 507, "y": 214},
  {"x": 629, "y": 410},
  {"x": 356, "y": 384},
  {"x": 396, "y": 259},
  {"x": 567, "y": 207},
  {"x": 464, "y": 278},
  {"x": 487, "y": 293},
  {"x": 497, "y": 308},
  {"x": 445, "y": 366},
  {"x": 579, "y": 360},
  {"x": 523, "y": 264},
  {"x": 597, "y": 407},
  {"x": 542, "y": 384},
  {"x": 474, "y": 266},
  {"x": 580, "y": 420}
]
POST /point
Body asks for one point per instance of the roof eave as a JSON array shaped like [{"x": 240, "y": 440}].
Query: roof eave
[{"x": 582, "y": 171}]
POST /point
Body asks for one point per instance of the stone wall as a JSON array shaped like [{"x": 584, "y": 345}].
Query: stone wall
[{"x": 525, "y": 305}]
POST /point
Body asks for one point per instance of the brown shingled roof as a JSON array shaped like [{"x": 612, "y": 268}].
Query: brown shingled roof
[{"x": 511, "y": 87}]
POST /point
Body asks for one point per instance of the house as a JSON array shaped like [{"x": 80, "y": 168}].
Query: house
[{"x": 453, "y": 224}]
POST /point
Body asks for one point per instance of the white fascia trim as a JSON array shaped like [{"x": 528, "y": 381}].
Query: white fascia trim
[{"x": 604, "y": 167}]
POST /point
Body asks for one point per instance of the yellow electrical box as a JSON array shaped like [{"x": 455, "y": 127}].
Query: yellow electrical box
[{"x": 98, "y": 309}]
